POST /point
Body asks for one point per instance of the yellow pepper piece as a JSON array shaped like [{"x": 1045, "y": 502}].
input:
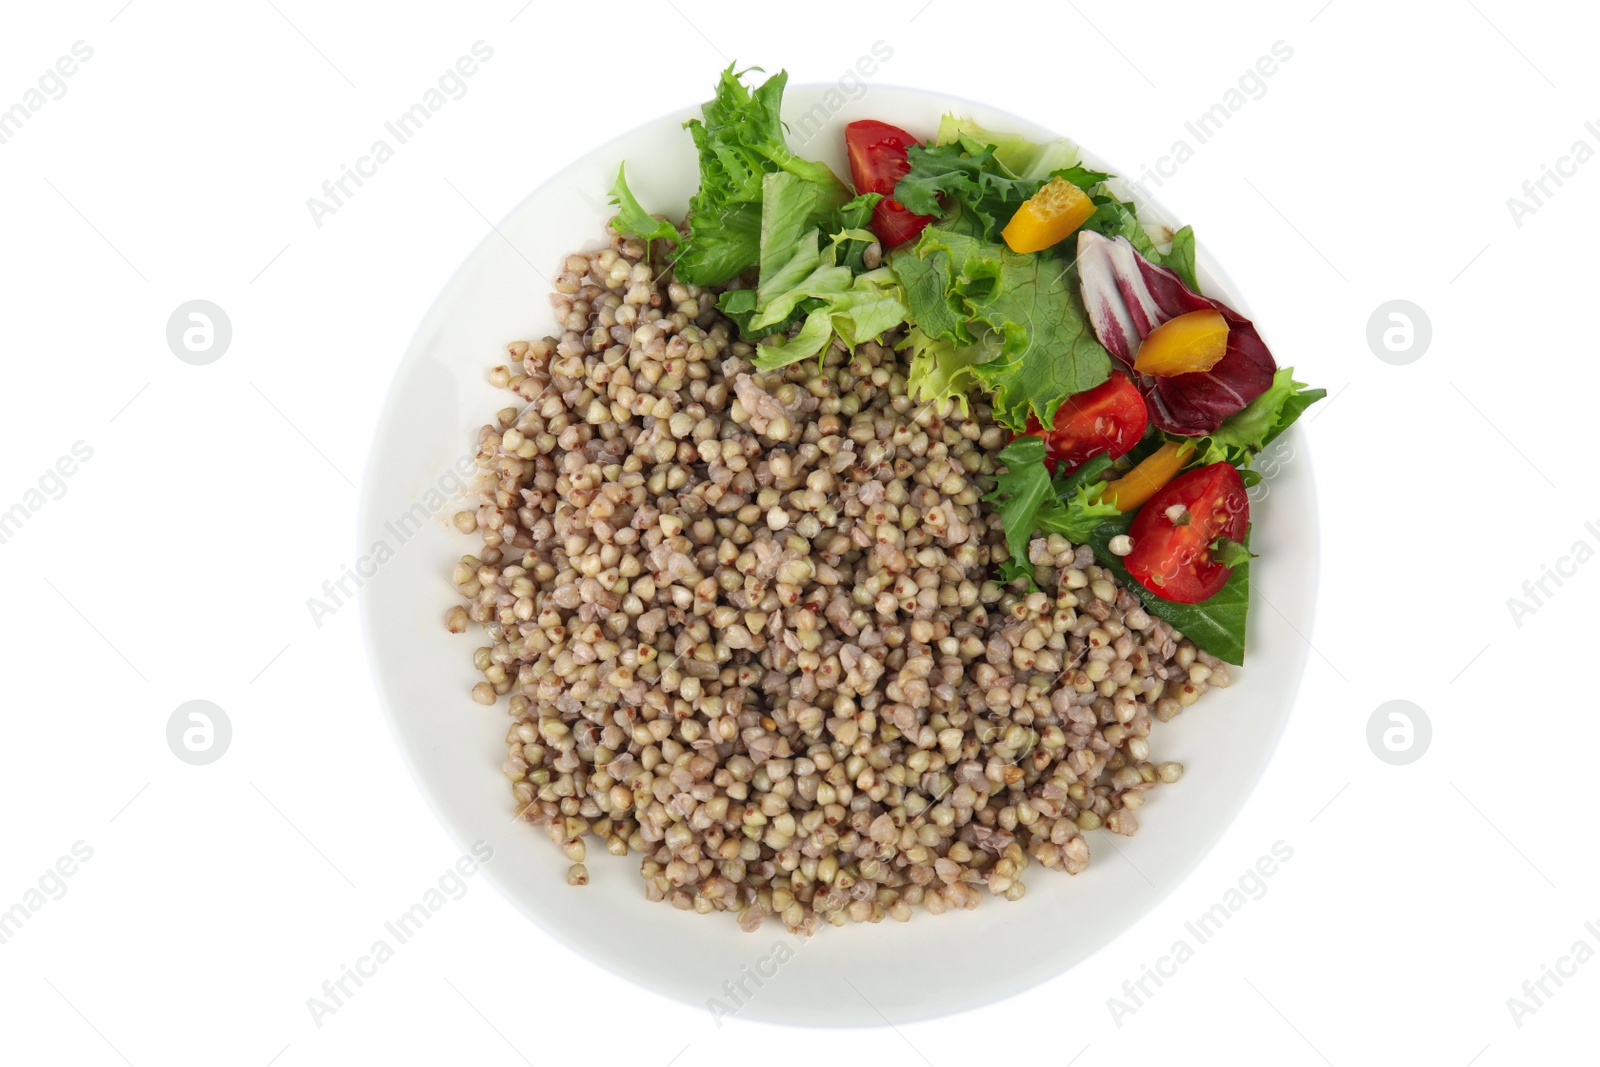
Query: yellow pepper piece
[
  {"x": 1141, "y": 483},
  {"x": 1048, "y": 217},
  {"x": 1189, "y": 343}
]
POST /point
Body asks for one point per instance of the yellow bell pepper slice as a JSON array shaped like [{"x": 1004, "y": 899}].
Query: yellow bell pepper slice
[
  {"x": 1141, "y": 483},
  {"x": 1048, "y": 217},
  {"x": 1189, "y": 343}
]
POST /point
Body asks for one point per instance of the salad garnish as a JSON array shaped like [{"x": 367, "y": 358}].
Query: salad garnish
[{"x": 1019, "y": 278}]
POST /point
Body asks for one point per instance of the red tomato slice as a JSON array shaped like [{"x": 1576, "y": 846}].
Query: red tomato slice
[
  {"x": 878, "y": 161},
  {"x": 1109, "y": 418},
  {"x": 1171, "y": 554}
]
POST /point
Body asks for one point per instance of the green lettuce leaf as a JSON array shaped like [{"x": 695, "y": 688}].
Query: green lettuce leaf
[
  {"x": 812, "y": 340},
  {"x": 962, "y": 288},
  {"x": 940, "y": 370},
  {"x": 1244, "y": 434},
  {"x": 1030, "y": 501},
  {"x": 862, "y": 312},
  {"x": 804, "y": 280},
  {"x": 740, "y": 140},
  {"x": 1116, "y": 217},
  {"x": 788, "y": 204},
  {"x": 970, "y": 172},
  {"x": 936, "y": 308},
  {"x": 854, "y": 214},
  {"x": 873, "y": 305},
  {"x": 856, "y": 307},
  {"x": 740, "y": 306},
  {"x": 1021, "y": 157},
  {"x": 633, "y": 218},
  {"x": 850, "y": 232},
  {"x": 722, "y": 247},
  {"x": 1230, "y": 553},
  {"x": 801, "y": 276},
  {"x": 991, "y": 174},
  {"x": 1216, "y": 624},
  {"x": 1077, "y": 511},
  {"x": 1018, "y": 495},
  {"x": 1179, "y": 257}
]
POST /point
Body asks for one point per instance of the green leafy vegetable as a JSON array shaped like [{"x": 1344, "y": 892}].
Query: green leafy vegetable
[
  {"x": 633, "y": 218},
  {"x": 1010, "y": 570},
  {"x": 854, "y": 214},
  {"x": 1116, "y": 217},
  {"x": 740, "y": 140},
  {"x": 1241, "y": 436},
  {"x": 1179, "y": 258},
  {"x": 721, "y": 245},
  {"x": 962, "y": 288},
  {"x": 940, "y": 370},
  {"x": 1230, "y": 553},
  {"x": 803, "y": 279},
  {"x": 788, "y": 204},
  {"x": 1030, "y": 501},
  {"x": 929, "y": 282},
  {"x": 1019, "y": 493},
  {"x": 1022, "y": 157},
  {"x": 856, "y": 307},
  {"x": 970, "y": 172},
  {"x": 850, "y": 231},
  {"x": 1078, "y": 512},
  {"x": 812, "y": 339},
  {"x": 1216, "y": 624},
  {"x": 740, "y": 306},
  {"x": 991, "y": 174},
  {"x": 1294, "y": 405}
]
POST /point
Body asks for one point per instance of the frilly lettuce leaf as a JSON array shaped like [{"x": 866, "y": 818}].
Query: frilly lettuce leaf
[
  {"x": 1077, "y": 509},
  {"x": 940, "y": 370},
  {"x": 633, "y": 218},
  {"x": 1242, "y": 435},
  {"x": 850, "y": 234},
  {"x": 740, "y": 140},
  {"x": 1022, "y": 157},
  {"x": 962, "y": 288},
  {"x": 804, "y": 279},
  {"x": 1030, "y": 501},
  {"x": 970, "y": 172},
  {"x": 856, "y": 308}
]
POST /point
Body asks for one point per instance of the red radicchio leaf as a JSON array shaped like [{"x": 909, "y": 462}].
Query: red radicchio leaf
[{"x": 1127, "y": 296}]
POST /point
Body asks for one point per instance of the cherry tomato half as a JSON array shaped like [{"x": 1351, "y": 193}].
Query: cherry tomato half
[
  {"x": 1109, "y": 418},
  {"x": 1173, "y": 533},
  {"x": 878, "y": 161}
]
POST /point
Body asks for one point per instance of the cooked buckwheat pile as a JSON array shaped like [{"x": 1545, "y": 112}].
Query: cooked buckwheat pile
[{"x": 747, "y": 624}]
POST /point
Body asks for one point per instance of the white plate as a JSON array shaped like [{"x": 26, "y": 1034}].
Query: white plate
[{"x": 860, "y": 974}]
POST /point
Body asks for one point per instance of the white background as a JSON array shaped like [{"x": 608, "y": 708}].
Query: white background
[{"x": 177, "y": 561}]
